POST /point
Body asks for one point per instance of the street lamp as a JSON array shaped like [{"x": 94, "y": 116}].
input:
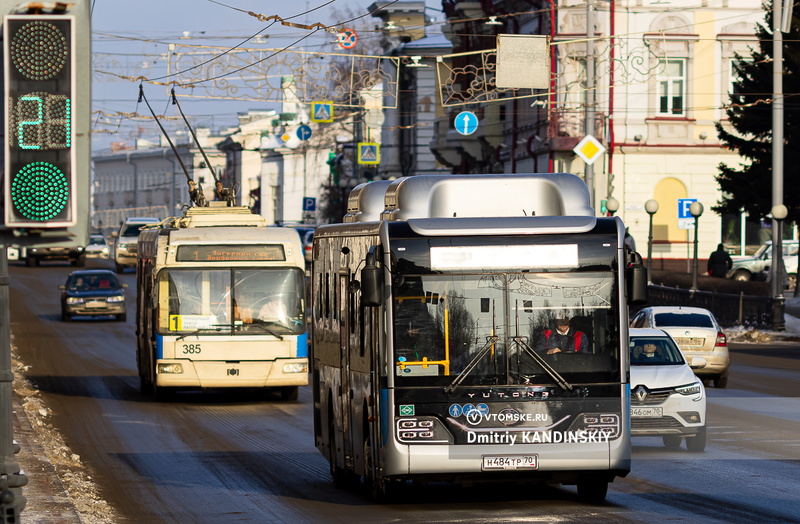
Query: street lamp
[
  {"x": 779, "y": 213},
  {"x": 696, "y": 209},
  {"x": 651, "y": 206},
  {"x": 612, "y": 205}
]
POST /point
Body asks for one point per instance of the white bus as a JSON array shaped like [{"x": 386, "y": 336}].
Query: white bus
[
  {"x": 220, "y": 304},
  {"x": 434, "y": 330}
]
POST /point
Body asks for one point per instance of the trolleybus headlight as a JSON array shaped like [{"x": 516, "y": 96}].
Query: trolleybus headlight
[
  {"x": 74, "y": 300},
  {"x": 689, "y": 389},
  {"x": 422, "y": 430},
  {"x": 170, "y": 368},
  {"x": 295, "y": 367},
  {"x": 602, "y": 425}
]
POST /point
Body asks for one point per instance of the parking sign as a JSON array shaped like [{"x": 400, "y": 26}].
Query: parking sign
[{"x": 685, "y": 218}]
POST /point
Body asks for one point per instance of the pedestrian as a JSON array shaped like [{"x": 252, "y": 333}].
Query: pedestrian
[{"x": 719, "y": 263}]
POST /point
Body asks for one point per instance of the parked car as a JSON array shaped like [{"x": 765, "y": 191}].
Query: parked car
[
  {"x": 696, "y": 332},
  {"x": 33, "y": 256},
  {"x": 756, "y": 267},
  {"x": 667, "y": 399},
  {"x": 96, "y": 248},
  {"x": 126, "y": 239},
  {"x": 93, "y": 292}
]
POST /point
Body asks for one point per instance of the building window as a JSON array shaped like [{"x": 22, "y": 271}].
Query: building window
[
  {"x": 671, "y": 87},
  {"x": 734, "y": 78}
]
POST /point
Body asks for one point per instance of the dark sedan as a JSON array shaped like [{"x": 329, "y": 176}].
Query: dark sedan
[{"x": 93, "y": 292}]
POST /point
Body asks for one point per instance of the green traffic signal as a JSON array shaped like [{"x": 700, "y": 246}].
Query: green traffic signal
[{"x": 40, "y": 191}]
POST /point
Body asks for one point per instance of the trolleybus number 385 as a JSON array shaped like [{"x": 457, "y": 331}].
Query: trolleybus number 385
[{"x": 509, "y": 462}]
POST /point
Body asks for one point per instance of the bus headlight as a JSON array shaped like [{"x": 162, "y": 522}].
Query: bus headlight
[
  {"x": 173, "y": 369},
  {"x": 600, "y": 425},
  {"x": 295, "y": 367},
  {"x": 422, "y": 430}
]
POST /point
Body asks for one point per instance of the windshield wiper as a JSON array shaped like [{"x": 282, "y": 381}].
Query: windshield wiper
[
  {"x": 557, "y": 378},
  {"x": 262, "y": 325},
  {"x": 472, "y": 364}
]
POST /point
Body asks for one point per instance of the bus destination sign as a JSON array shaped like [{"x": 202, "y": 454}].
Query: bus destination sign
[{"x": 231, "y": 253}]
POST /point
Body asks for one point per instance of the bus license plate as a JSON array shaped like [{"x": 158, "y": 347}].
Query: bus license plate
[
  {"x": 646, "y": 412},
  {"x": 509, "y": 462}
]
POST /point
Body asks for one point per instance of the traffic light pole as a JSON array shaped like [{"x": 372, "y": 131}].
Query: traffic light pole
[{"x": 11, "y": 478}]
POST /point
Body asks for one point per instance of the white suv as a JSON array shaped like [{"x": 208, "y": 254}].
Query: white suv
[
  {"x": 125, "y": 241},
  {"x": 667, "y": 399}
]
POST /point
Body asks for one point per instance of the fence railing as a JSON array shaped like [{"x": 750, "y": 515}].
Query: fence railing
[{"x": 730, "y": 310}]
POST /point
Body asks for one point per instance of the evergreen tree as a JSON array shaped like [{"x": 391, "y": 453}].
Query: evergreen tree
[{"x": 748, "y": 186}]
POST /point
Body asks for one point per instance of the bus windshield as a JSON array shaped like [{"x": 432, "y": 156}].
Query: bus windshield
[
  {"x": 239, "y": 301},
  {"x": 505, "y": 328}
]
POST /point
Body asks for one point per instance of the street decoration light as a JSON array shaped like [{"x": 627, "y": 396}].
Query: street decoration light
[
  {"x": 651, "y": 206},
  {"x": 612, "y": 205},
  {"x": 696, "y": 209}
]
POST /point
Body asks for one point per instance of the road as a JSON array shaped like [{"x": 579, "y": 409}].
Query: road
[{"x": 223, "y": 457}]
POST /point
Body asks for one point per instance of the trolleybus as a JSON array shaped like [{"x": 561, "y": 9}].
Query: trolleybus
[
  {"x": 432, "y": 306},
  {"x": 221, "y": 304}
]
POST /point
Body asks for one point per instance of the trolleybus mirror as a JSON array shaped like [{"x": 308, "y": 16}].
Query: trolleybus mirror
[
  {"x": 637, "y": 279},
  {"x": 371, "y": 281}
]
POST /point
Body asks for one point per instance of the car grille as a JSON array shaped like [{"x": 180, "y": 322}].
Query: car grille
[
  {"x": 655, "y": 423},
  {"x": 653, "y": 398}
]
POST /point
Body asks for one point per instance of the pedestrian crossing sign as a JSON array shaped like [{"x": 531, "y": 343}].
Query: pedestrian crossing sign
[
  {"x": 369, "y": 153},
  {"x": 322, "y": 111}
]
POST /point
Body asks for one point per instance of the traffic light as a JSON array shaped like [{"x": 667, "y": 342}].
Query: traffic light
[{"x": 39, "y": 54}]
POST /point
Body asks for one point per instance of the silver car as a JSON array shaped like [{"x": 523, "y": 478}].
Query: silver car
[{"x": 697, "y": 333}]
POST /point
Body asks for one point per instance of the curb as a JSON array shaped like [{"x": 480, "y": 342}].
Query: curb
[{"x": 47, "y": 500}]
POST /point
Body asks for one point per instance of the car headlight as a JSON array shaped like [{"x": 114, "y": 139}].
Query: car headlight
[
  {"x": 118, "y": 298},
  {"x": 689, "y": 389},
  {"x": 74, "y": 300}
]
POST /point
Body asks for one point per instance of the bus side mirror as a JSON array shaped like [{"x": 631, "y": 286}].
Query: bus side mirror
[
  {"x": 636, "y": 276},
  {"x": 371, "y": 281}
]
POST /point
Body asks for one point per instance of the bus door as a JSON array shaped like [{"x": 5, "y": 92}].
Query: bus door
[{"x": 345, "y": 394}]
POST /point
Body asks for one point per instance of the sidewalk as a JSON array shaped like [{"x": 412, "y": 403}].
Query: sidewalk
[{"x": 47, "y": 501}]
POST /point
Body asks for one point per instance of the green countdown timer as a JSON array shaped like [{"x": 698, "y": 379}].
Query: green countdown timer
[{"x": 40, "y": 191}]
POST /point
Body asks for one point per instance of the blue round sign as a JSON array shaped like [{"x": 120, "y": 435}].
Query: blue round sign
[
  {"x": 466, "y": 122},
  {"x": 304, "y": 132}
]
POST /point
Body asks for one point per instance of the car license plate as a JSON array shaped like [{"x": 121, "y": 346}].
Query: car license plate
[
  {"x": 509, "y": 462},
  {"x": 696, "y": 341},
  {"x": 95, "y": 304},
  {"x": 647, "y": 412}
]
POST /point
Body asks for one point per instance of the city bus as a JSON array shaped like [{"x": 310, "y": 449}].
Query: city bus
[
  {"x": 431, "y": 305},
  {"x": 220, "y": 304}
]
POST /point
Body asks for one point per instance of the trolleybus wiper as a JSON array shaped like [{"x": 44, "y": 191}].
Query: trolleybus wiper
[
  {"x": 260, "y": 324},
  {"x": 472, "y": 364},
  {"x": 561, "y": 381}
]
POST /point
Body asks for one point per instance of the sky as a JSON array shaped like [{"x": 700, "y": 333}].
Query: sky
[{"x": 131, "y": 40}]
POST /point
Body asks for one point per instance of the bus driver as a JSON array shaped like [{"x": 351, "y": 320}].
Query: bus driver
[{"x": 563, "y": 338}]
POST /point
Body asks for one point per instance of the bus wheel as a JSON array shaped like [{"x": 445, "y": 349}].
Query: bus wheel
[
  {"x": 145, "y": 386},
  {"x": 592, "y": 490},
  {"x": 289, "y": 392}
]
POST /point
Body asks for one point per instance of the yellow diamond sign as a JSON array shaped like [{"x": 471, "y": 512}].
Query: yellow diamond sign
[{"x": 589, "y": 149}]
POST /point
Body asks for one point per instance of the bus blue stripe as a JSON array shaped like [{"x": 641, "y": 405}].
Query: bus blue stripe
[
  {"x": 384, "y": 415},
  {"x": 302, "y": 345},
  {"x": 159, "y": 347}
]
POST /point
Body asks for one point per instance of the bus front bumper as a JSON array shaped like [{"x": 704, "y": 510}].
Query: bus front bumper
[{"x": 214, "y": 374}]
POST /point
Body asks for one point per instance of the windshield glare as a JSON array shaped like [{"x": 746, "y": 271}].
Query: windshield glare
[
  {"x": 239, "y": 301},
  {"x": 487, "y": 325}
]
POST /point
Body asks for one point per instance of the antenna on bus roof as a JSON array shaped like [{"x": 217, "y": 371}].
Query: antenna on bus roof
[
  {"x": 221, "y": 193},
  {"x": 195, "y": 191}
]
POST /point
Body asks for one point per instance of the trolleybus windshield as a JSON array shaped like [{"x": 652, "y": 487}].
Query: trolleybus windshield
[
  {"x": 460, "y": 325},
  {"x": 225, "y": 301}
]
